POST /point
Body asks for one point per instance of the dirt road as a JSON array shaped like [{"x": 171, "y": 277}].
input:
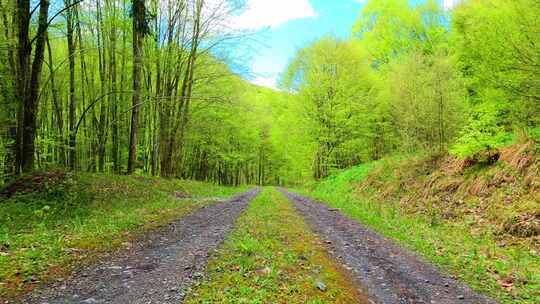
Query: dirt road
[
  {"x": 389, "y": 273},
  {"x": 159, "y": 268}
]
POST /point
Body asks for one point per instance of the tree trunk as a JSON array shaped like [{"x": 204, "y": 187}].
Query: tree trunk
[
  {"x": 123, "y": 73},
  {"x": 102, "y": 122},
  {"x": 114, "y": 98},
  {"x": 138, "y": 36},
  {"x": 72, "y": 98},
  {"x": 57, "y": 107},
  {"x": 29, "y": 79}
]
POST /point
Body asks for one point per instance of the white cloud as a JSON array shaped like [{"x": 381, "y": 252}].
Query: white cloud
[
  {"x": 273, "y": 13},
  {"x": 449, "y": 4},
  {"x": 268, "y": 82}
]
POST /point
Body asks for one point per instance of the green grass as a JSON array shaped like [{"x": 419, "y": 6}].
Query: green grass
[
  {"x": 272, "y": 257},
  {"x": 43, "y": 235},
  {"x": 509, "y": 273}
]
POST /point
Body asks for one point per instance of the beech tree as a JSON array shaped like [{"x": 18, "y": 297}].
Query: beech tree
[{"x": 331, "y": 80}]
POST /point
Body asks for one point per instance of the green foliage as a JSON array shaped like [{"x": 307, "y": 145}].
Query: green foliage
[
  {"x": 240, "y": 136},
  {"x": 408, "y": 82},
  {"x": 333, "y": 85},
  {"x": 485, "y": 131},
  {"x": 393, "y": 28},
  {"x": 535, "y": 134},
  {"x": 339, "y": 182},
  {"x": 427, "y": 98},
  {"x": 501, "y": 57},
  {"x": 495, "y": 41},
  {"x": 393, "y": 87}
]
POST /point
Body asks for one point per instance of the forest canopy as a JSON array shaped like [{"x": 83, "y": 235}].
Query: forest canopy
[{"x": 146, "y": 87}]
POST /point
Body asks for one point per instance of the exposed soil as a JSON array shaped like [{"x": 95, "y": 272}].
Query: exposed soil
[
  {"x": 389, "y": 273},
  {"x": 158, "y": 268}
]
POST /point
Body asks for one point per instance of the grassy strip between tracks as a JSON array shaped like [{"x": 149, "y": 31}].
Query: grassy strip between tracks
[{"x": 272, "y": 257}]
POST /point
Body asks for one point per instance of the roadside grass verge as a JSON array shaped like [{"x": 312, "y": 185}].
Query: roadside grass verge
[
  {"x": 468, "y": 249},
  {"x": 44, "y": 234},
  {"x": 272, "y": 257}
]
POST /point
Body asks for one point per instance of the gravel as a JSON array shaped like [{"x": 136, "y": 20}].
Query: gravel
[
  {"x": 158, "y": 268},
  {"x": 389, "y": 273}
]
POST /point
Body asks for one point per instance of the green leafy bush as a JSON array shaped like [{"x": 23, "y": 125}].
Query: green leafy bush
[
  {"x": 486, "y": 130},
  {"x": 534, "y": 133}
]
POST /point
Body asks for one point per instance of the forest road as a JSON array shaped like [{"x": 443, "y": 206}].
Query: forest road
[
  {"x": 159, "y": 268},
  {"x": 389, "y": 273}
]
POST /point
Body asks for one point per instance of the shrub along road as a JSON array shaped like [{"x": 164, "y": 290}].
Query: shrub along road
[{"x": 272, "y": 256}]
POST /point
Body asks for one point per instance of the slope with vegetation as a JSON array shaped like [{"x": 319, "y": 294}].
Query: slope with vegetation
[{"x": 480, "y": 221}]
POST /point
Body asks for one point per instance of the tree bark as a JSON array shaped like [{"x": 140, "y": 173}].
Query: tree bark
[
  {"x": 102, "y": 123},
  {"x": 28, "y": 77},
  {"x": 138, "y": 36},
  {"x": 58, "y": 108},
  {"x": 72, "y": 98},
  {"x": 114, "y": 98}
]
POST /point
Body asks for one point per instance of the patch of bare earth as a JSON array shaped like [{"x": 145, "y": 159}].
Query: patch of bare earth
[
  {"x": 158, "y": 268},
  {"x": 389, "y": 273}
]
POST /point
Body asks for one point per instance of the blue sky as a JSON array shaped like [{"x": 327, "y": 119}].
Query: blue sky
[
  {"x": 284, "y": 26},
  {"x": 281, "y": 33}
]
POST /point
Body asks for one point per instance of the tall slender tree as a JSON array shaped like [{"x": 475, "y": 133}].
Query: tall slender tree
[
  {"x": 30, "y": 63},
  {"x": 72, "y": 96},
  {"x": 138, "y": 37}
]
